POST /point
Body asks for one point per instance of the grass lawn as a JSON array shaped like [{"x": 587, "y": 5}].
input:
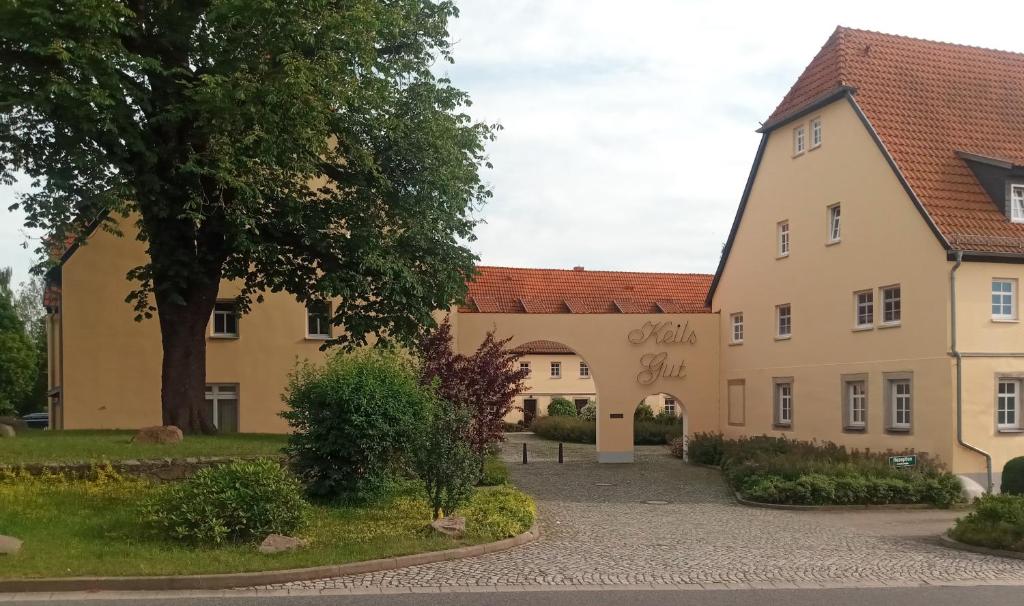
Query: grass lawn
[
  {"x": 80, "y": 528},
  {"x": 37, "y": 446}
]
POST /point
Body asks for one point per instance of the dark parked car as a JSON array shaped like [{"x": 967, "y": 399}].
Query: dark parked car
[{"x": 38, "y": 420}]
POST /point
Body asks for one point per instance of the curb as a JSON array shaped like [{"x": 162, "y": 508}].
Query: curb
[
  {"x": 250, "y": 579},
  {"x": 952, "y": 543},
  {"x": 839, "y": 508}
]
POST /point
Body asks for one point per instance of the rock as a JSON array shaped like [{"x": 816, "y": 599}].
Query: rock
[
  {"x": 159, "y": 434},
  {"x": 276, "y": 543},
  {"x": 9, "y": 545},
  {"x": 6, "y": 431},
  {"x": 453, "y": 527},
  {"x": 14, "y": 422},
  {"x": 970, "y": 488}
]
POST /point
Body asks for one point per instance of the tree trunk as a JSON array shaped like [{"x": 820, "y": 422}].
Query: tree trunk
[{"x": 183, "y": 380}]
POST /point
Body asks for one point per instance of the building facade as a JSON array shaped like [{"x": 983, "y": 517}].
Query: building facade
[{"x": 868, "y": 293}]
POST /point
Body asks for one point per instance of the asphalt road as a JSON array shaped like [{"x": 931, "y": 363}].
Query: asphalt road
[{"x": 911, "y": 596}]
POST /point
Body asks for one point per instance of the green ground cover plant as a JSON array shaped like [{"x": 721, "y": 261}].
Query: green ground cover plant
[
  {"x": 997, "y": 522},
  {"x": 495, "y": 472},
  {"x": 793, "y": 472},
  {"x": 98, "y": 527},
  {"x": 85, "y": 446}
]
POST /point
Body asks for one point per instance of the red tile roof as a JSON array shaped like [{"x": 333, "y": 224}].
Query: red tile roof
[
  {"x": 544, "y": 347},
  {"x": 558, "y": 291},
  {"x": 928, "y": 100}
]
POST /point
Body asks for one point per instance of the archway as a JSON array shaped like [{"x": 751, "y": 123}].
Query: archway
[
  {"x": 657, "y": 414},
  {"x": 556, "y": 371}
]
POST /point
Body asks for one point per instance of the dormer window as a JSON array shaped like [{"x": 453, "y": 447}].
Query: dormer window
[{"x": 1017, "y": 203}]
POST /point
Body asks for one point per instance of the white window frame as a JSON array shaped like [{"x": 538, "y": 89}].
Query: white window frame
[
  {"x": 215, "y": 392},
  {"x": 864, "y": 310},
  {"x": 783, "y": 397},
  {"x": 1002, "y": 294},
  {"x": 525, "y": 366},
  {"x": 670, "y": 406},
  {"x": 855, "y": 394},
  {"x": 815, "y": 133},
  {"x": 892, "y": 314},
  {"x": 736, "y": 328},
  {"x": 1008, "y": 404},
  {"x": 1017, "y": 203},
  {"x": 556, "y": 370},
  {"x": 901, "y": 418},
  {"x": 835, "y": 223},
  {"x": 326, "y": 319},
  {"x": 782, "y": 240},
  {"x": 779, "y": 334},
  {"x": 232, "y": 312},
  {"x": 799, "y": 140},
  {"x": 584, "y": 370}
]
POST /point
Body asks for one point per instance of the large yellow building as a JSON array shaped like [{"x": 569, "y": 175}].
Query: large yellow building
[{"x": 868, "y": 293}]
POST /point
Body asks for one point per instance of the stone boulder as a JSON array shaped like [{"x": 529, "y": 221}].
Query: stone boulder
[
  {"x": 9, "y": 545},
  {"x": 452, "y": 526},
  {"x": 276, "y": 543},
  {"x": 6, "y": 431},
  {"x": 159, "y": 434},
  {"x": 14, "y": 422}
]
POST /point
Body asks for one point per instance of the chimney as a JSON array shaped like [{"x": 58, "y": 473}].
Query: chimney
[{"x": 578, "y": 268}]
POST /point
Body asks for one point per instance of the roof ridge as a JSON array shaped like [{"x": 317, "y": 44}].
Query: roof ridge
[
  {"x": 597, "y": 271},
  {"x": 928, "y": 40}
]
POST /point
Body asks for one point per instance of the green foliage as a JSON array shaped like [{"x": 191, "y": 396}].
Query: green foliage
[
  {"x": 589, "y": 412},
  {"x": 561, "y": 407},
  {"x": 354, "y": 420},
  {"x": 19, "y": 360},
  {"x": 653, "y": 432},
  {"x": 444, "y": 459},
  {"x": 240, "y": 502},
  {"x": 500, "y": 512},
  {"x": 495, "y": 472},
  {"x": 667, "y": 417},
  {"x": 778, "y": 470},
  {"x": 1013, "y": 477},
  {"x": 706, "y": 448},
  {"x": 997, "y": 522},
  {"x": 643, "y": 412},
  {"x": 565, "y": 429}
]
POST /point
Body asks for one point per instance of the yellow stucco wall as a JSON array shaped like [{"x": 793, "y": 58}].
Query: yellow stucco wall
[{"x": 884, "y": 241}]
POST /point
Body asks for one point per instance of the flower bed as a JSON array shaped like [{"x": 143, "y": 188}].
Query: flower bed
[
  {"x": 792, "y": 472},
  {"x": 997, "y": 522}
]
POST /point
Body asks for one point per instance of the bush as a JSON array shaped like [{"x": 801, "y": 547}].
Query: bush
[
  {"x": 997, "y": 522},
  {"x": 706, "y": 448},
  {"x": 643, "y": 413},
  {"x": 500, "y": 513},
  {"x": 565, "y": 429},
  {"x": 234, "y": 503},
  {"x": 444, "y": 460},
  {"x": 512, "y": 427},
  {"x": 354, "y": 422},
  {"x": 667, "y": 417},
  {"x": 678, "y": 447},
  {"x": 652, "y": 432},
  {"x": 1013, "y": 477},
  {"x": 495, "y": 472},
  {"x": 589, "y": 412},
  {"x": 561, "y": 407}
]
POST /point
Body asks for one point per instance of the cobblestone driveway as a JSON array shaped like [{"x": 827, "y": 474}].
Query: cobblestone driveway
[{"x": 663, "y": 522}]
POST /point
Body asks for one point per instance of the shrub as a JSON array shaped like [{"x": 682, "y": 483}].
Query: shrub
[
  {"x": 706, "y": 448},
  {"x": 561, "y": 407},
  {"x": 678, "y": 447},
  {"x": 643, "y": 412},
  {"x": 512, "y": 427},
  {"x": 1013, "y": 477},
  {"x": 652, "y": 432},
  {"x": 996, "y": 522},
  {"x": 667, "y": 417},
  {"x": 444, "y": 460},
  {"x": 565, "y": 429},
  {"x": 238, "y": 502},
  {"x": 354, "y": 422},
  {"x": 589, "y": 412},
  {"x": 495, "y": 472},
  {"x": 499, "y": 513}
]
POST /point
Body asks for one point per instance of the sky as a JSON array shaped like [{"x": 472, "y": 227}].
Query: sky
[{"x": 628, "y": 127}]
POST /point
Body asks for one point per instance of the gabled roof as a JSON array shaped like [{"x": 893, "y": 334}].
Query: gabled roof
[
  {"x": 578, "y": 291},
  {"x": 927, "y": 101},
  {"x": 544, "y": 347}
]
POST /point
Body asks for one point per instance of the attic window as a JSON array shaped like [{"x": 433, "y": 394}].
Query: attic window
[{"x": 1017, "y": 203}]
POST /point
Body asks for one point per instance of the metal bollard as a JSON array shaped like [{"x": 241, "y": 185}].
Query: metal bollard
[
  {"x": 561, "y": 459},
  {"x": 524, "y": 453}
]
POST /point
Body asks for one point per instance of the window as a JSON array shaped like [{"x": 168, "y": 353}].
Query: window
[
  {"x": 1007, "y": 404},
  {"x": 670, "y": 406},
  {"x": 864, "y": 308},
  {"x": 525, "y": 366},
  {"x": 900, "y": 404},
  {"x": 737, "y": 401},
  {"x": 556, "y": 370},
  {"x": 580, "y": 403},
  {"x": 815, "y": 132},
  {"x": 892, "y": 308},
  {"x": 783, "y": 402},
  {"x": 737, "y": 327},
  {"x": 1017, "y": 203},
  {"x": 783, "y": 230},
  {"x": 784, "y": 321},
  {"x": 222, "y": 406},
  {"x": 834, "y": 216},
  {"x": 225, "y": 319},
  {"x": 1004, "y": 307},
  {"x": 856, "y": 400},
  {"x": 799, "y": 140},
  {"x": 318, "y": 320},
  {"x": 584, "y": 370}
]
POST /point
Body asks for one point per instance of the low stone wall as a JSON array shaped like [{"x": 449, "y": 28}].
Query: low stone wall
[{"x": 157, "y": 470}]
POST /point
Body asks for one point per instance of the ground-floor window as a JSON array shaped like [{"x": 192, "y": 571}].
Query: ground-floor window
[
  {"x": 900, "y": 401},
  {"x": 222, "y": 406},
  {"x": 581, "y": 403},
  {"x": 783, "y": 402},
  {"x": 670, "y": 406},
  {"x": 855, "y": 403},
  {"x": 1008, "y": 404}
]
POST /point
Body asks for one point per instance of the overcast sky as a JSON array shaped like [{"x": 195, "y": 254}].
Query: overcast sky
[{"x": 629, "y": 126}]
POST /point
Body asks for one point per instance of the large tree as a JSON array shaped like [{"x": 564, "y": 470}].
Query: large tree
[
  {"x": 296, "y": 145},
  {"x": 17, "y": 356}
]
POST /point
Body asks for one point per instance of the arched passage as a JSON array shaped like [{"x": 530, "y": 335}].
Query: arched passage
[{"x": 556, "y": 370}]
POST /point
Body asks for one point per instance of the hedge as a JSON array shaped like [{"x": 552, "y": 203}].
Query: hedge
[{"x": 580, "y": 431}]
